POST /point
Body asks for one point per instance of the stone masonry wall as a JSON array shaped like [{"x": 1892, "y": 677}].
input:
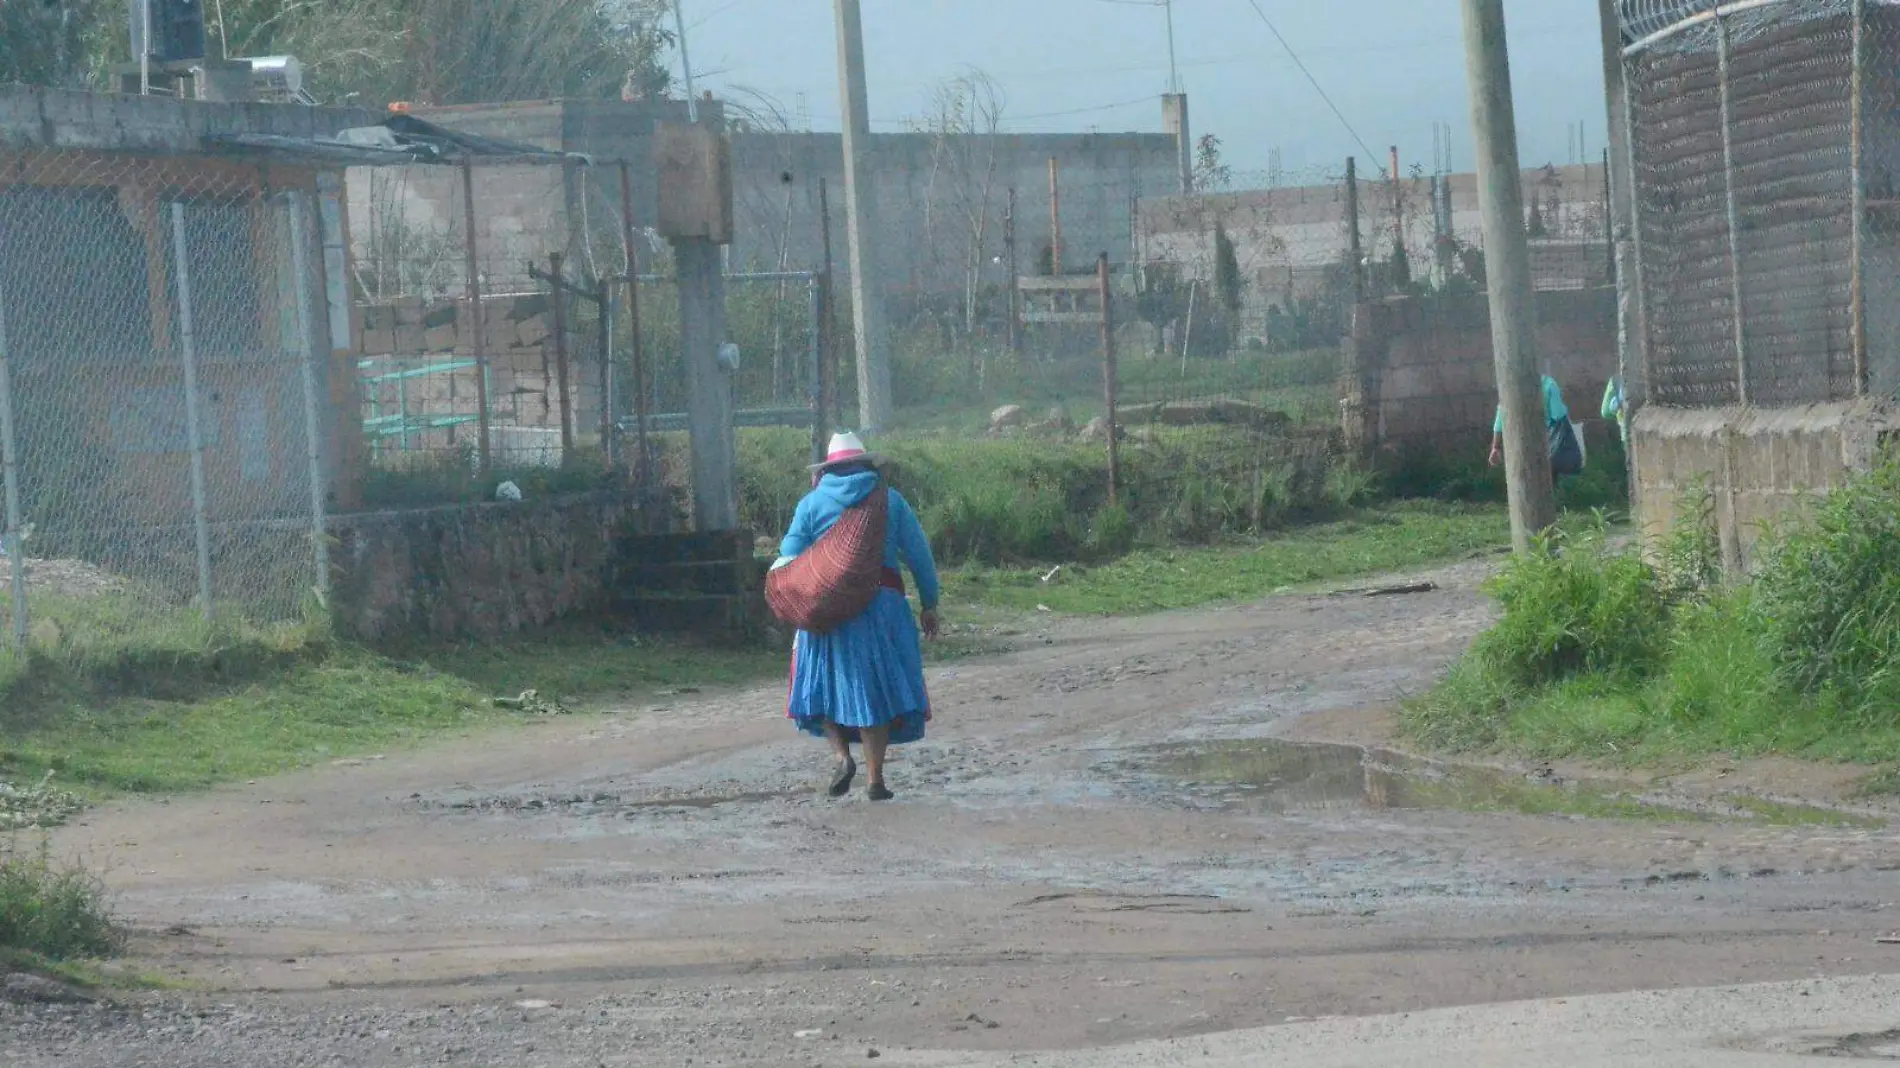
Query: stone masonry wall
[{"x": 481, "y": 571}]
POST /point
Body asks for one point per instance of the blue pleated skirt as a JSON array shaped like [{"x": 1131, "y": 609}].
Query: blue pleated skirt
[{"x": 867, "y": 673}]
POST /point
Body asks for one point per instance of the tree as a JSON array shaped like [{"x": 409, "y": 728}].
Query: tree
[
  {"x": 1211, "y": 172},
  {"x": 372, "y": 52},
  {"x": 1227, "y": 280},
  {"x": 53, "y": 42},
  {"x": 966, "y": 118}
]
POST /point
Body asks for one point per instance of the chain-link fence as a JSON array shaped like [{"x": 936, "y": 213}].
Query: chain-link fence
[
  {"x": 159, "y": 382},
  {"x": 1763, "y": 142}
]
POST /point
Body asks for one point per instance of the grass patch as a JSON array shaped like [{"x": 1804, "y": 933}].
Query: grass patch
[
  {"x": 208, "y": 717},
  {"x": 52, "y": 912},
  {"x": 1381, "y": 539},
  {"x": 1605, "y": 655}
]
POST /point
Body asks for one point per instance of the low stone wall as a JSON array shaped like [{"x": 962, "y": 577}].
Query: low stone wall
[
  {"x": 1420, "y": 377},
  {"x": 1759, "y": 464},
  {"x": 481, "y": 571}
]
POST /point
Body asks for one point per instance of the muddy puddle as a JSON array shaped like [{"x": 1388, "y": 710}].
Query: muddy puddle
[{"x": 1292, "y": 778}]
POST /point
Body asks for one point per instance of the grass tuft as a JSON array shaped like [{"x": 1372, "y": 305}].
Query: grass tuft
[{"x": 52, "y": 911}]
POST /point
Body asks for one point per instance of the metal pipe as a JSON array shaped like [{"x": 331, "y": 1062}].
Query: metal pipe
[
  {"x": 1858, "y": 199},
  {"x": 1715, "y": 14},
  {"x": 15, "y": 524},
  {"x": 606, "y": 302},
  {"x": 476, "y": 315},
  {"x": 194, "y": 436},
  {"x": 636, "y": 347},
  {"x": 313, "y": 451},
  {"x": 1734, "y": 211}
]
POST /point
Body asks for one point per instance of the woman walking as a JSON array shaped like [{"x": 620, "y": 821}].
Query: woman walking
[{"x": 857, "y": 668}]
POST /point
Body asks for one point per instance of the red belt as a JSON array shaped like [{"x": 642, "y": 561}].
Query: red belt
[{"x": 892, "y": 579}]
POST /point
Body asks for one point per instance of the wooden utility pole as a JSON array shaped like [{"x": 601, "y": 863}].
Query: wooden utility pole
[
  {"x": 1110, "y": 388},
  {"x": 1356, "y": 250},
  {"x": 565, "y": 400},
  {"x": 1508, "y": 272},
  {"x": 1055, "y": 217},
  {"x": 478, "y": 330},
  {"x": 861, "y": 232}
]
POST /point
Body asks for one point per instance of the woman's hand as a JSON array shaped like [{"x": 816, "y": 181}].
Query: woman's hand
[{"x": 928, "y": 620}]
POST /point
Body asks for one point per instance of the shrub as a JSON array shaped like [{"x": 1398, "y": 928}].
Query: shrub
[
  {"x": 53, "y": 911},
  {"x": 1829, "y": 597},
  {"x": 1575, "y": 608}
]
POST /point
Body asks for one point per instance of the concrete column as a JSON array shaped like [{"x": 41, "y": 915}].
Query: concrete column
[
  {"x": 1174, "y": 120},
  {"x": 702, "y": 287},
  {"x": 861, "y": 229}
]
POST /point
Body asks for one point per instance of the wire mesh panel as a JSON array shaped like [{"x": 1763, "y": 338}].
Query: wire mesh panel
[
  {"x": 1682, "y": 208},
  {"x": 1744, "y": 122},
  {"x": 160, "y": 346}
]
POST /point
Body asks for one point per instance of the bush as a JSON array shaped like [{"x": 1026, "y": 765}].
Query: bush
[
  {"x": 1829, "y": 597},
  {"x": 1576, "y": 608},
  {"x": 52, "y": 911}
]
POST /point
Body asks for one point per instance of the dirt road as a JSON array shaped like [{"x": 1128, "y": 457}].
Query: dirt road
[{"x": 1075, "y": 860}]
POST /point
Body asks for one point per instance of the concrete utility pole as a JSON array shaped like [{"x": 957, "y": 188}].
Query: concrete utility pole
[
  {"x": 860, "y": 207},
  {"x": 1174, "y": 119},
  {"x": 1508, "y": 269}
]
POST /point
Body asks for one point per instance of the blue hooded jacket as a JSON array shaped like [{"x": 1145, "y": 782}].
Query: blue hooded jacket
[{"x": 904, "y": 539}]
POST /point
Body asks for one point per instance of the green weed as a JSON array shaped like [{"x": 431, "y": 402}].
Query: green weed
[{"x": 52, "y": 911}]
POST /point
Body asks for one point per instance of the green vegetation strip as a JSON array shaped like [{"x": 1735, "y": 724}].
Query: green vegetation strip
[
  {"x": 1601, "y": 653},
  {"x": 1383, "y": 539}
]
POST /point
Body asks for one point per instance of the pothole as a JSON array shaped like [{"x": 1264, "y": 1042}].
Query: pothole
[{"x": 1289, "y": 778}]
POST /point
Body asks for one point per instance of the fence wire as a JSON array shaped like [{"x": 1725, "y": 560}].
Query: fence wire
[{"x": 162, "y": 378}]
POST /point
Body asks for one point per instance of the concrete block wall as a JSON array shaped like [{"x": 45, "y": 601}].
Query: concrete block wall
[
  {"x": 1760, "y": 465},
  {"x": 1421, "y": 375}
]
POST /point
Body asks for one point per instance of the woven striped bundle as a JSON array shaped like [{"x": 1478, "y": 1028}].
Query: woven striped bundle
[{"x": 834, "y": 581}]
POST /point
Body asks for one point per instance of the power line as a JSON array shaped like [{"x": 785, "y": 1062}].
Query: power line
[{"x": 1295, "y": 57}]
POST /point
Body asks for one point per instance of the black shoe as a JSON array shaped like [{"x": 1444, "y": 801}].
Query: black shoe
[
  {"x": 877, "y": 791},
  {"x": 841, "y": 780}
]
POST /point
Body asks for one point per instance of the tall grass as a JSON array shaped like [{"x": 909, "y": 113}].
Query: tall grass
[
  {"x": 1020, "y": 500},
  {"x": 1607, "y": 654}
]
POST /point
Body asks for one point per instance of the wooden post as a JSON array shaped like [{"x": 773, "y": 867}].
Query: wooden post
[
  {"x": 1354, "y": 248},
  {"x": 1109, "y": 385},
  {"x": 1398, "y": 205},
  {"x": 1055, "y": 217},
  {"x": 565, "y": 400},
  {"x": 477, "y": 328},
  {"x": 1508, "y": 273}
]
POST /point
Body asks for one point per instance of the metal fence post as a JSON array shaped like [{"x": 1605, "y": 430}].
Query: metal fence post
[
  {"x": 313, "y": 445},
  {"x": 604, "y": 296},
  {"x": 1734, "y": 207},
  {"x": 1858, "y": 200},
  {"x": 13, "y": 542},
  {"x": 566, "y": 400},
  {"x": 820, "y": 404},
  {"x": 472, "y": 260},
  {"x": 194, "y": 436}
]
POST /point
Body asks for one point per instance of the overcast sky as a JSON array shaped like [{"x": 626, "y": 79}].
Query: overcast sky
[{"x": 1394, "y": 67}]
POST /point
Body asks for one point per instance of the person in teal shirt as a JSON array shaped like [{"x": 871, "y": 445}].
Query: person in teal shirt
[
  {"x": 1555, "y": 412},
  {"x": 1613, "y": 409}
]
